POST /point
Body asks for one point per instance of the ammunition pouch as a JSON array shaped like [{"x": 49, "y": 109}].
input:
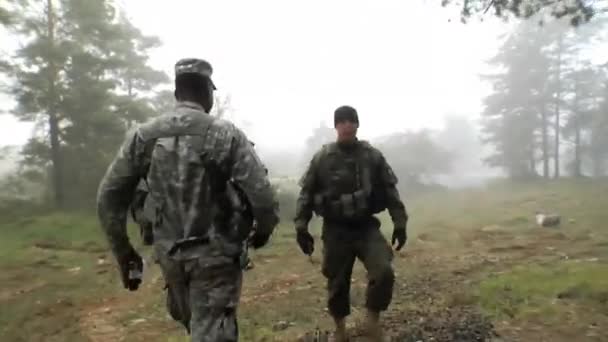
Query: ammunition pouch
[
  {"x": 346, "y": 207},
  {"x": 378, "y": 201}
]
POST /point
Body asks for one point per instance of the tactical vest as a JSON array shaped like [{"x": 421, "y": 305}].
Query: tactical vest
[{"x": 346, "y": 188}]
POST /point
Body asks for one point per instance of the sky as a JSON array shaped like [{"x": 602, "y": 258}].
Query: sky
[{"x": 287, "y": 65}]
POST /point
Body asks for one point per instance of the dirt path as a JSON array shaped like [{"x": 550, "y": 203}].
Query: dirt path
[
  {"x": 103, "y": 319},
  {"x": 98, "y": 323},
  {"x": 432, "y": 304}
]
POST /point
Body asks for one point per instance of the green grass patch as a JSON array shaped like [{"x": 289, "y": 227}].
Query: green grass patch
[
  {"x": 23, "y": 239},
  {"x": 50, "y": 269},
  {"x": 544, "y": 289}
]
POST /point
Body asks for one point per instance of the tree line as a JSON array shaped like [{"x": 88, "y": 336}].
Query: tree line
[
  {"x": 81, "y": 74},
  {"x": 548, "y": 112}
]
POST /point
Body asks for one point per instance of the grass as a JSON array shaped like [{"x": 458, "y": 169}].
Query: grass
[
  {"x": 510, "y": 205},
  {"x": 53, "y": 261},
  {"x": 543, "y": 290},
  {"x": 49, "y": 270}
]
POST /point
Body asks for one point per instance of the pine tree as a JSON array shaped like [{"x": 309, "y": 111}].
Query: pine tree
[
  {"x": 534, "y": 95},
  {"x": 70, "y": 79},
  {"x": 585, "y": 85},
  {"x": 135, "y": 78},
  {"x": 517, "y": 108},
  {"x": 599, "y": 130}
]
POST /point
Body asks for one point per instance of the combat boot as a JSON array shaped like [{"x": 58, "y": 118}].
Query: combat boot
[
  {"x": 373, "y": 328},
  {"x": 340, "y": 334}
]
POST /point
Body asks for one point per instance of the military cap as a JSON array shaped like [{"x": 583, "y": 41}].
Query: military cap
[
  {"x": 345, "y": 113},
  {"x": 194, "y": 66}
]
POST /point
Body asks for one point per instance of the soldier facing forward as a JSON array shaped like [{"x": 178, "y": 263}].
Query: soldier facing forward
[
  {"x": 346, "y": 183},
  {"x": 188, "y": 158}
]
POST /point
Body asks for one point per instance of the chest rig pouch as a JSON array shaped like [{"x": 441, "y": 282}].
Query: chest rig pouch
[{"x": 345, "y": 184}]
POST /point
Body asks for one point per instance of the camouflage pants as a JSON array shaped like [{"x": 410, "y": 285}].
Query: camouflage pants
[
  {"x": 341, "y": 247},
  {"x": 203, "y": 295}
]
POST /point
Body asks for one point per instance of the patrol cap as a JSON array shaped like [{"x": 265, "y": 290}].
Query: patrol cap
[
  {"x": 346, "y": 113},
  {"x": 194, "y": 66}
]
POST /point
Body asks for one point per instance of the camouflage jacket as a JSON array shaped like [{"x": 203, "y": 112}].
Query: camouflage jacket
[
  {"x": 349, "y": 182},
  {"x": 140, "y": 209},
  {"x": 171, "y": 152}
]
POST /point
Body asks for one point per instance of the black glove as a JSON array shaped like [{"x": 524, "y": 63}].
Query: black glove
[
  {"x": 400, "y": 236},
  {"x": 305, "y": 241},
  {"x": 258, "y": 240},
  {"x": 131, "y": 267}
]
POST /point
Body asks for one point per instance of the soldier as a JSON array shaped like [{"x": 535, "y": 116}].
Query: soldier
[
  {"x": 193, "y": 164},
  {"x": 346, "y": 183}
]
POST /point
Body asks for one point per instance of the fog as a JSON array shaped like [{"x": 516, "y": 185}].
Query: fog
[{"x": 288, "y": 66}]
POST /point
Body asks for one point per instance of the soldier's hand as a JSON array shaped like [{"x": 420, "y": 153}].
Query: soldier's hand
[
  {"x": 129, "y": 261},
  {"x": 399, "y": 236},
  {"x": 258, "y": 240},
  {"x": 305, "y": 241}
]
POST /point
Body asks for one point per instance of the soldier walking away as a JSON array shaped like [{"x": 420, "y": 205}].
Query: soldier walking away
[
  {"x": 346, "y": 183},
  {"x": 211, "y": 196}
]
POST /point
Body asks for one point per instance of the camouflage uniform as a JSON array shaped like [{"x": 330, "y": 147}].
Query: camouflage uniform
[
  {"x": 346, "y": 184},
  {"x": 198, "y": 255},
  {"x": 140, "y": 212}
]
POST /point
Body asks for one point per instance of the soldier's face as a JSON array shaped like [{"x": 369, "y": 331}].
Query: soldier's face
[{"x": 347, "y": 130}]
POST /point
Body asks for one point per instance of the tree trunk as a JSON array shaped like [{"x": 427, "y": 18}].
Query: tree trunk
[
  {"x": 545, "y": 141},
  {"x": 577, "y": 148},
  {"x": 57, "y": 171},
  {"x": 557, "y": 105},
  {"x": 577, "y": 133},
  {"x": 597, "y": 154},
  {"x": 532, "y": 164}
]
